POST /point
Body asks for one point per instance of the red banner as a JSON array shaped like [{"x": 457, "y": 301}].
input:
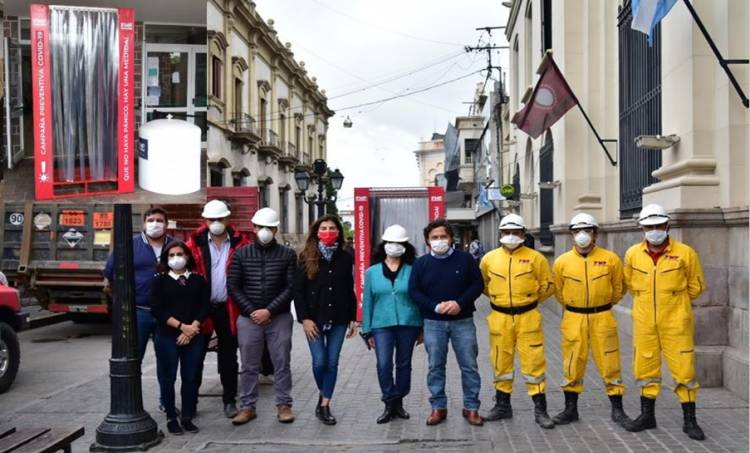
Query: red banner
[
  {"x": 126, "y": 83},
  {"x": 436, "y": 203},
  {"x": 361, "y": 243},
  {"x": 40, "y": 81},
  {"x": 551, "y": 99}
]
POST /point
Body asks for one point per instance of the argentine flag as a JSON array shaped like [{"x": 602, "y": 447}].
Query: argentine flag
[{"x": 648, "y": 13}]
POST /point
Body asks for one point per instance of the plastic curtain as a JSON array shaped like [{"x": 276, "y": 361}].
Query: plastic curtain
[
  {"x": 84, "y": 60},
  {"x": 410, "y": 213}
]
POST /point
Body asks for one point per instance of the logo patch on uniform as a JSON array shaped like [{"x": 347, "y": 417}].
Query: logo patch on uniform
[
  {"x": 600, "y": 263},
  {"x": 672, "y": 257},
  {"x": 524, "y": 261}
]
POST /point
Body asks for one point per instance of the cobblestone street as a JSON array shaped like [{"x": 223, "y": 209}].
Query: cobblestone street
[{"x": 356, "y": 404}]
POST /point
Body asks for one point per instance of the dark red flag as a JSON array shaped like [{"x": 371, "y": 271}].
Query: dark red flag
[{"x": 551, "y": 98}]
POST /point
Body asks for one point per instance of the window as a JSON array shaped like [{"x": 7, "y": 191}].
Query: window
[
  {"x": 216, "y": 66},
  {"x": 470, "y": 146},
  {"x": 237, "y": 179},
  {"x": 515, "y": 93},
  {"x": 311, "y": 214},
  {"x": 216, "y": 175},
  {"x": 310, "y": 148},
  {"x": 282, "y": 131},
  {"x": 264, "y": 196},
  {"x": 263, "y": 120},
  {"x": 298, "y": 140},
  {"x": 284, "y": 210},
  {"x": 299, "y": 214},
  {"x": 238, "y": 85},
  {"x": 546, "y": 15}
]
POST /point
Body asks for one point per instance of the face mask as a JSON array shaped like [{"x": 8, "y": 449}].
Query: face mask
[
  {"x": 656, "y": 237},
  {"x": 582, "y": 239},
  {"x": 511, "y": 241},
  {"x": 440, "y": 246},
  {"x": 328, "y": 238},
  {"x": 394, "y": 250},
  {"x": 177, "y": 263},
  {"x": 217, "y": 228},
  {"x": 154, "y": 230},
  {"x": 265, "y": 235}
]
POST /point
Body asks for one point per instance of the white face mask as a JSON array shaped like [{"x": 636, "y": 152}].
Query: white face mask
[
  {"x": 394, "y": 250},
  {"x": 582, "y": 239},
  {"x": 217, "y": 228},
  {"x": 656, "y": 237},
  {"x": 511, "y": 241},
  {"x": 265, "y": 235},
  {"x": 177, "y": 263},
  {"x": 154, "y": 230},
  {"x": 440, "y": 246}
]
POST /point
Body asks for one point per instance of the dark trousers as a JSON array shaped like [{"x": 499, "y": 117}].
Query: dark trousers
[
  {"x": 325, "y": 351},
  {"x": 146, "y": 327},
  {"x": 401, "y": 340},
  {"x": 169, "y": 357},
  {"x": 227, "y": 353}
]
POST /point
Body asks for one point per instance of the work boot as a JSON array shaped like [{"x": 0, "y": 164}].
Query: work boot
[
  {"x": 570, "y": 413},
  {"x": 387, "y": 414},
  {"x": 398, "y": 409},
  {"x": 502, "y": 408},
  {"x": 618, "y": 413},
  {"x": 646, "y": 420},
  {"x": 690, "y": 425},
  {"x": 540, "y": 411}
]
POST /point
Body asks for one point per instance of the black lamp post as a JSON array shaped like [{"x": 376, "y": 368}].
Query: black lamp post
[
  {"x": 127, "y": 427},
  {"x": 321, "y": 175}
]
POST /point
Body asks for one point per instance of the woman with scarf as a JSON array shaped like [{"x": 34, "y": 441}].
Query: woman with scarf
[{"x": 325, "y": 303}]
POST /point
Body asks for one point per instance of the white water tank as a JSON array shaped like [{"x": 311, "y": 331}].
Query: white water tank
[{"x": 169, "y": 156}]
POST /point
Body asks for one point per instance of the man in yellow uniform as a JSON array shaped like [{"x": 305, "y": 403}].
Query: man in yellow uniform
[
  {"x": 664, "y": 276},
  {"x": 588, "y": 281},
  {"x": 516, "y": 279}
]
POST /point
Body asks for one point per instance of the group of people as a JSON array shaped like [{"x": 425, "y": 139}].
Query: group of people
[{"x": 243, "y": 290}]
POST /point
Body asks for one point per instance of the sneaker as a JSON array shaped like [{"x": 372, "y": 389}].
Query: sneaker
[
  {"x": 265, "y": 380},
  {"x": 174, "y": 428},
  {"x": 187, "y": 425}
]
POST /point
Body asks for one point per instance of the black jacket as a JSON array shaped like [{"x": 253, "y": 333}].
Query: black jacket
[
  {"x": 262, "y": 277},
  {"x": 328, "y": 298},
  {"x": 186, "y": 303}
]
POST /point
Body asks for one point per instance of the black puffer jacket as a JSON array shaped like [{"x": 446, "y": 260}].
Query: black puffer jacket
[
  {"x": 329, "y": 298},
  {"x": 262, "y": 277}
]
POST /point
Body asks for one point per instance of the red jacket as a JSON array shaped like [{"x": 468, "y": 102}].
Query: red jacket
[{"x": 198, "y": 244}]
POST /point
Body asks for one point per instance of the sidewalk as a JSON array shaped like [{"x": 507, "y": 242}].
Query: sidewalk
[{"x": 356, "y": 404}]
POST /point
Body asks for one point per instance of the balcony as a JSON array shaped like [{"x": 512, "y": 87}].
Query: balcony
[
  {"x": 270, "y": 145},
  {"x": 245, "y": 129},
  {"x": 290, "y": 154}
]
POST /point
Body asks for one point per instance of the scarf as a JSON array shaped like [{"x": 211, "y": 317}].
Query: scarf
[{"x": 327, "y": 251}]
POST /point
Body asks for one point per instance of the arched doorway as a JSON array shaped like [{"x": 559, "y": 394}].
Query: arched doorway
[{"x": 546, "y": 207}]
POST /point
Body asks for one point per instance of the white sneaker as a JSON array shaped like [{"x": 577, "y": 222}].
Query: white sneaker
[{"x": 265, "y": 380}]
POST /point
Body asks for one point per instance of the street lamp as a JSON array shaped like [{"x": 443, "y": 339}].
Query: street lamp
[{"x": 321, "y": 174}]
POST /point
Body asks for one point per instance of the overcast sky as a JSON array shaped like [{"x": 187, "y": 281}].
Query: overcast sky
[{"x": 350, "y": 45}]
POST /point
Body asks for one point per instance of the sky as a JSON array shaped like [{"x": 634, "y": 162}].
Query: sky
[{"x": 355, "y": 44}]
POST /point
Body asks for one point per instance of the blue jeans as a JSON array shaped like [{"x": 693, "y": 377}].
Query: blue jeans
[
  {"x": 463, "y": 337},
  {"x": 188, "y": 357},
  {"x": 146, "y": 327},
  {"x": 402, "y": 339},
  {"x": 325, "y": 352}
]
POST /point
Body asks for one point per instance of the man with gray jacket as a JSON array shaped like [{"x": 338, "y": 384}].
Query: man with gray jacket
[{"x": 259, "y": 281}]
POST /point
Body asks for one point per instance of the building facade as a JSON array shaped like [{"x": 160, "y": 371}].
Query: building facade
[
  {"x": 431, "y": 160},
  {"x": 266, "y": 116},
  {"x": 628, "y": 88}
]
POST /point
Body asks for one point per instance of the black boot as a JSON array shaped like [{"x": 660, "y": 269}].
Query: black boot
[
  {"x": 540, "y": 411},
  {"x": 570, "y": 413},
  {"x": 398, "y": 409},
  {"x": 502, "y": 407},
  {"x": 690, "y": 426},
  {"x": 317, "y": 407},
  {"x": 325, "y": 416},
  {"x": 618, "y": 413},
  {"x": 387, "y": 414},
  {"x": 646, "y": 420}
]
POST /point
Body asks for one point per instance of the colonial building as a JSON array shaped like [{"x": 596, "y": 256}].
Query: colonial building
[
  {"x": 430, "y": 161},
  {"x": 629, "y": 89},
  {"x": 266, "y": 115}
]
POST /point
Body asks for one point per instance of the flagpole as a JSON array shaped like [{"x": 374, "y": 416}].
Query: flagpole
[{"x": 598, "y": 138}]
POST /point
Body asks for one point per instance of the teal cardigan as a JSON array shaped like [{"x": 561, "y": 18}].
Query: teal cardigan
[{"x": 385, "y": 304}]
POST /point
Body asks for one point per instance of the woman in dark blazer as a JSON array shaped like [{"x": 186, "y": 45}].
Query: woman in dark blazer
[
  {"x": 180, "y": 303},
  {"x": 325, "y": 303}
]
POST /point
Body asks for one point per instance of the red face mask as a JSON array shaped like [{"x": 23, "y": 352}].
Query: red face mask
[{"x": 328, "y": 237}]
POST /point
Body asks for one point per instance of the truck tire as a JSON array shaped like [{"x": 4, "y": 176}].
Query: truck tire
[{"x": 10, "y": 356}]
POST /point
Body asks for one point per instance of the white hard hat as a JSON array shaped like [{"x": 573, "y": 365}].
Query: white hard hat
[
  {"x": 512, "y": 222},
  {"x": 215, "y": 209},
  {"x": 266, "y": 217},
  {"x": 395, "y": 233},
  {"x": 583, "y": 220},
  {"x": 653, "y": 214}
]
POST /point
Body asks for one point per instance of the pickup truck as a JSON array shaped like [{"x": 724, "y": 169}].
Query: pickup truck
[{"x": 11, "y": 321}]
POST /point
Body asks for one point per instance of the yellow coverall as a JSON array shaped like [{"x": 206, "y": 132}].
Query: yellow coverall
[
  {"x": 595, "y": 280},
  {"x": 663, "y": 316},
  {"x": 516, "y": 279}
]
